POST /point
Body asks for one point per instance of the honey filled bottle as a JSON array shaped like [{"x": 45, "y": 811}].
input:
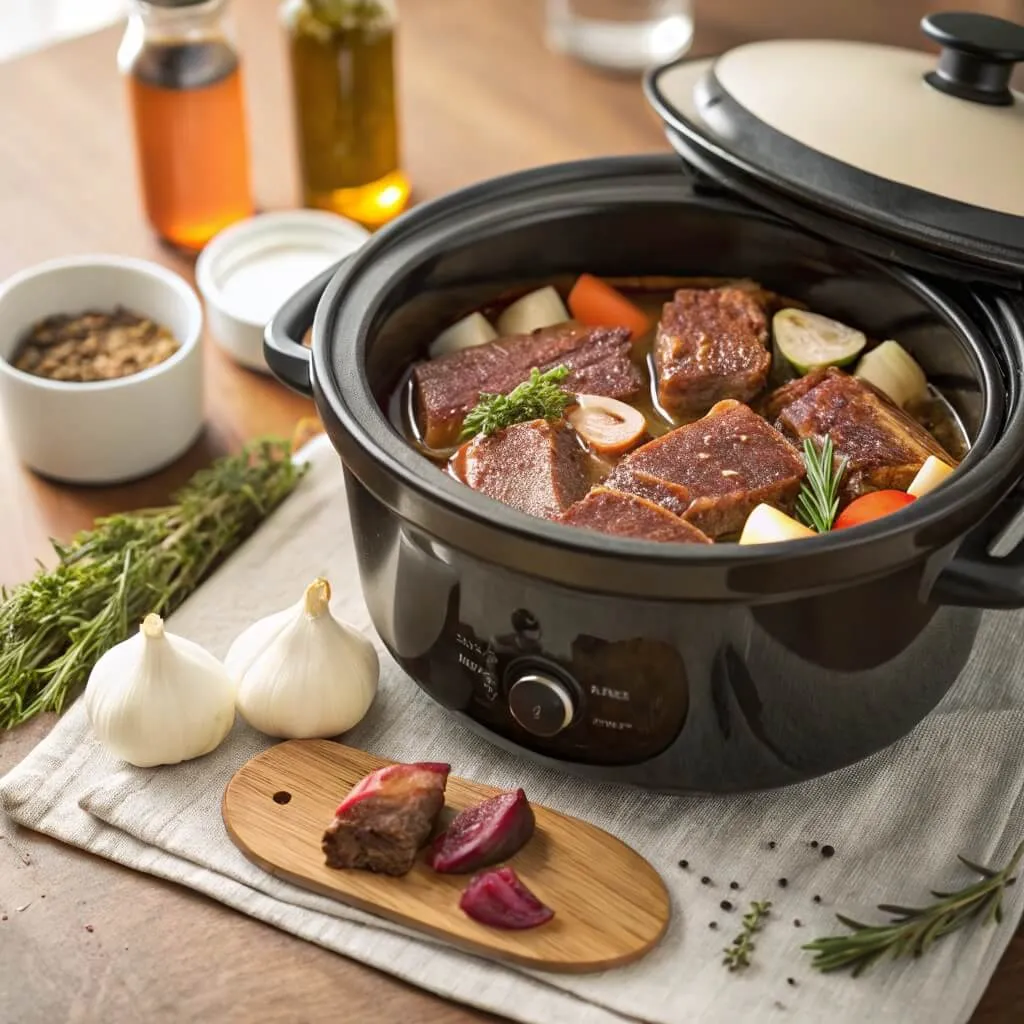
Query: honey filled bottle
[
  {"x": 342, "y": 55},
  {"x": 187, "y": 107}
]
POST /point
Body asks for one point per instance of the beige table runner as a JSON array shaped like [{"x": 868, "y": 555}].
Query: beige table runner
[{"x": 896, "y": 821}]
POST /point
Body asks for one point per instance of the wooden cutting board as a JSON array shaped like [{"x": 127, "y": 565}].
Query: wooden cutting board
[{"x": 610, "y": 905}]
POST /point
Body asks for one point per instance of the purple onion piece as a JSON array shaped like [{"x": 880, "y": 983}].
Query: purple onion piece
[
  {"x": 483, "y": 835},
  {"x": 499, "y": 899}
]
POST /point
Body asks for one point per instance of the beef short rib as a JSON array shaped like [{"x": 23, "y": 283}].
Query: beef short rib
[
  {"x": 883, "y": 445},
  {"x": 715, "y": 471},
  {"x": 712, "y": 344},
  {"x": 627, "y": 515},
  {"x": 537, "y": 467},
  {"x": 386, "y": 818},
  {"x": 446, "y": 388}
]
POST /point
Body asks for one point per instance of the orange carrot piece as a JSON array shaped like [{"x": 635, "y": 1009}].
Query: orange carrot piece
[{"x": 597, "y": 304}]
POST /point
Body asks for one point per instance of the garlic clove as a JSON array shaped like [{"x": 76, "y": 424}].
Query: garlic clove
[
  {"x": 159, "y": 699},
  {"x": 302, "y": 673}
]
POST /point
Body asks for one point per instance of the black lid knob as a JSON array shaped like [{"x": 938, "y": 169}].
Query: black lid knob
[{"x": 978, "y": 55}]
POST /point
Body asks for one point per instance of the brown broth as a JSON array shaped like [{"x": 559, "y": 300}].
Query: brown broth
[{"x": 935, "y": 414}]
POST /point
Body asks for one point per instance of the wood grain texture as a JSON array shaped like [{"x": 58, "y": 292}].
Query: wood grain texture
[
  {"x": 611, "y": 907},
  {"x": 480, "y": 96}
]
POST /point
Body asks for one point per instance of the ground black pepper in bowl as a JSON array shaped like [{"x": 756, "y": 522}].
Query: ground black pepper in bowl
[{"x": 94, "y": 346}]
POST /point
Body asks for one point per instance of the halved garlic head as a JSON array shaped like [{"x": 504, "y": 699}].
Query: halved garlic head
[
  {"x": 609, "y": 426},
  {"x": 929, "y": 476},
  {"x": 767, "y": 525}
]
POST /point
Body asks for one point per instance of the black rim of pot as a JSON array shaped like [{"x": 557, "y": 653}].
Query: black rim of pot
[{"x": 347, "y": 400}]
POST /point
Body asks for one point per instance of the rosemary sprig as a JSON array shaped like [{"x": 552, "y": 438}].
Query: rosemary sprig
[
  {"x": 55, "y": 626},
  {"x": 913, "y": 930},
  {"x": 539, "y": 398},
  {"x": 818, "y": 501},
  {"x": 737, "y": 954}
]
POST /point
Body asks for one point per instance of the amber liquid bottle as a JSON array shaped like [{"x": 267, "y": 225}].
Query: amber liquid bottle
[
  {"x": 188, "y": 112},
  {"x": 342, "y": 55}
]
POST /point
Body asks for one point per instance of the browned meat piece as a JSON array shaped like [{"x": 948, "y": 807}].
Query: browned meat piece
[
  {"x": 711, "y": 345},
  {"x": 773, "y": 403},
  {"x": 448, "y": 387},
  {"x": 884, "y": 446},
  {"x": 627, "y": 515},
  {"x": 715, "y": 471},
  {"x": 536, "y": 467},
  {"x": 386, "y": 818}
]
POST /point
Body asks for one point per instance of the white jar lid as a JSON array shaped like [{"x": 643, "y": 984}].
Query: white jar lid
[{"x": 252, "y": 268}]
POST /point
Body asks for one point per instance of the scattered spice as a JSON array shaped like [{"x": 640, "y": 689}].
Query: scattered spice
[
  {"x": 25, "y": 907},
  {"x": 912, "y": 930},
  {"x": 725, "y": 905},
  {"x": 734, "y": 885},
  {"x": 684, "y": 864},
  {"x": 797, "y": 923},
  {"x": 791, "y": 981},
  {"x": 738, "y": 953},
  {"x": 783, "y": 882},
  {"x": 816, "y": 898},
  {"x": 89, "y": 928},
  {"x": 828, "y": 851},
  {"x": 3, "y": 917},
  {"x": 814, "y": 844},
  {"x": 771, "y": 844},
  {"x": 712, "y": 925},
  {"x": 94, "y": 346},
  {"x": 705, "y": 880}
]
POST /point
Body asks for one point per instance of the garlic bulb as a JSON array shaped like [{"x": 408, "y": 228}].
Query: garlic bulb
[
  {"x": 157, "y": 698},
  {"x": 303, "y": 674}
]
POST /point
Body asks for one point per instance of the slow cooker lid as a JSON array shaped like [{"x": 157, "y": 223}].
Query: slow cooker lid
[{"x": 923, "y": 151}]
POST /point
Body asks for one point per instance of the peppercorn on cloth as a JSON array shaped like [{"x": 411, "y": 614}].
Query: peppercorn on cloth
[{"x": 895, "y": 821}]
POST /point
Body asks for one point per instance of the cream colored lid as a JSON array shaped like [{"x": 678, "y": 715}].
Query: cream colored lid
[{"x": 869, "y": 107}]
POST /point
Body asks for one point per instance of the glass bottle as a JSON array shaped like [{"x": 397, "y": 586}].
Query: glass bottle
[
  {"x": 187, "y": 107},
  {"x": 342, "y": 55}
]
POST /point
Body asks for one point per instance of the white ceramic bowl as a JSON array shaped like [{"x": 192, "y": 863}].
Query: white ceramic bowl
[
  {"x": 102, "y": 432},
  {"x": 252, "y": 268}
]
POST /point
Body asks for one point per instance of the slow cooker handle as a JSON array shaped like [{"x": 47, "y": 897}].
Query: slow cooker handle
[
  {"x": 289, "y": 360},
  {"x": 988, "y": 569}
]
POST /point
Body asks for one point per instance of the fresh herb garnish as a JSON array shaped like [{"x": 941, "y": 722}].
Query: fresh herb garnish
[
  {"x": 539, "y": 398},
  {"x": 55, "y": 626},
  {"x": 913, "y": 929},
  {"x": 818, "y": 501},
  {"x": 738, "y": 952}
]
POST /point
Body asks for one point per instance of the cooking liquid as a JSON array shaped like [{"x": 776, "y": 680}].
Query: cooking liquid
[{"x": 187, "y": 105}]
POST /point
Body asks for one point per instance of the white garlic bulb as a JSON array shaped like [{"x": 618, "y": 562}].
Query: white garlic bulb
[
  {"x": 158, "y": 699},
  {"x": 302, "y": 673}
]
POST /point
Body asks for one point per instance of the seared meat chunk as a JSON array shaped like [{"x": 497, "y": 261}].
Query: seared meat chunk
[
  {"x": 447, "y": 388},
  {"x": 536, "y": 467},
  {"x": 715, "y": 471},
  {"x": 386, "y": 818},
  {"x": 711, "y": 345},
  {"x": 883, "y": 445},
  {"x": 627, "y": 515}
]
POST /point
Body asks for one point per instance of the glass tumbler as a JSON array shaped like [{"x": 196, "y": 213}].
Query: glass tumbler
[{"x": 620, "y": 35}]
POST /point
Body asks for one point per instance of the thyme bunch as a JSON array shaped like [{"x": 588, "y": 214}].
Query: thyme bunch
[
  {"x": 737, "y": 954},
  {"x": 55, "y": 626}
]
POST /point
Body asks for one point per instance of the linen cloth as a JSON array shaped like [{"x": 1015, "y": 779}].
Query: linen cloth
[{"x": 896, "y": 822}]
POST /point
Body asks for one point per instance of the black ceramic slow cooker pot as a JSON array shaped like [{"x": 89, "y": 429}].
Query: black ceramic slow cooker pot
[{"x": 676, "y": 667}]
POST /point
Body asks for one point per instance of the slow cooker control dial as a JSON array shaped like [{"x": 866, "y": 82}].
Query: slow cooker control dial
[{"x": 541, "y": 704}]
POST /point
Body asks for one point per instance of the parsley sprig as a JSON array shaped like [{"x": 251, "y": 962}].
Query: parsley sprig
[
  {"x": 539, "y": 398},
  {"x": 818, "y": 501}
]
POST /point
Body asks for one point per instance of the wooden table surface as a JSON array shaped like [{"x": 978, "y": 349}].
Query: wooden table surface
[{"x": 480, "y": 96}]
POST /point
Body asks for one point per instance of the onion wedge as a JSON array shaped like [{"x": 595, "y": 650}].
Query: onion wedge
[
  {"x": 542, "y": 308},
  {"x": 609, "y": 426},
  {"x": 468, "y": 332},
  {"x": 767, "y": 525},
  {"x": 929, "y": 476},
  {"x": 892, "y": 369}
]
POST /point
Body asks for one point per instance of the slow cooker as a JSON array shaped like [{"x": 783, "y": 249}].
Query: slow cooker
[{"x": 690, "y": 667}]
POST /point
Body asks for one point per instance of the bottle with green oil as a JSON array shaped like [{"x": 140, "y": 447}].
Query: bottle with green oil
[{"x": 342, "y": 55}]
